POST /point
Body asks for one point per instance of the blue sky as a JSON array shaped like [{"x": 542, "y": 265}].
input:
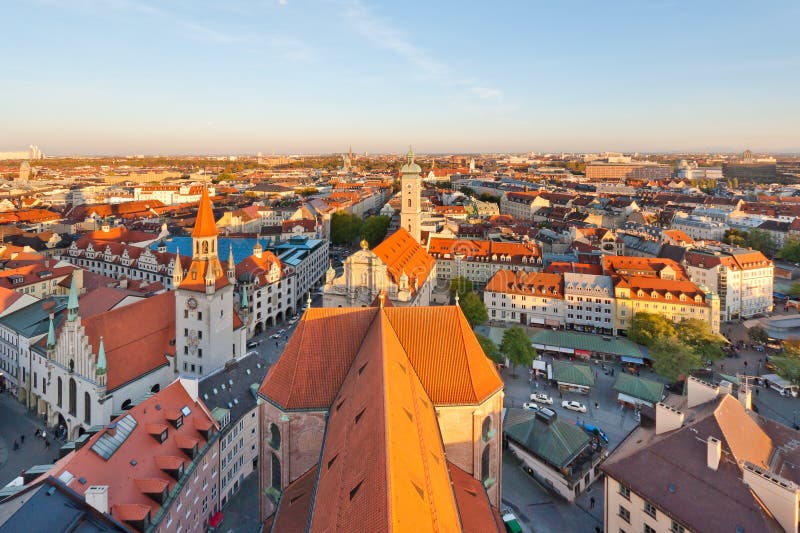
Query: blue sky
[{"x": 241, "y": 76}]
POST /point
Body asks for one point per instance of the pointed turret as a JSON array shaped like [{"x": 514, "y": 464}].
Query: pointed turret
[
  {"x": 177, "y": 270},
  {"x": 72, "y": 302},
  {"x": 231, "y": 265},
  {"x": 101, "y": 358},
  {"x": 51, "y": 334},
  {"x": 210, "y": 278},
  {"x": 204, "y": 225},
  {"x": 244, "y": 304}
]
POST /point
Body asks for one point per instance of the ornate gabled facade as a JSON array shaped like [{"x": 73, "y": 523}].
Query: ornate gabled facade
[
  {"x": 209, "y": 332},
  {"x": 364, "y": 402},
  {"x": 265, "y": 291},
  {"x": 95, "y": 367},
  {"x": 398, "y": 266}
]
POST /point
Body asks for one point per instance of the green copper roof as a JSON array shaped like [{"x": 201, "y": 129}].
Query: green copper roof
[
  {"x": 565, "y": 372},
  {"x": 72, "y": 303},
  {"x": 644, "y": 389},
  {"x": 558, "y": 442},
  {"x": 585, "y": 341},
  {"x": 51, "y": 334},
  {"x": 101, "y": 358},
  {"x": 244, "y": 298}
]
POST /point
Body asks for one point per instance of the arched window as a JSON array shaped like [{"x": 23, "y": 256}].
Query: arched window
[
  {"x": 409, "y": 202},
  {"x": 409, "y": 228},
  {"x": 487, "y": 453},
  {"x": 276, "y": 472},
  {"x": 274, "y": 436},
  {"x": 60, "y": 392},
  {"x": 73, "y": 397},
  {"x": 87, "y": 408},
  {"x": 487, "y": 426},
  {"x": 155, "y": 388},
  {"x": 127, "y": 404},
  {"x": 205, "y": 247}
]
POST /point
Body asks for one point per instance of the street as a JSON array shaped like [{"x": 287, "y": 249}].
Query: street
[{"x": 15, "y": 422}]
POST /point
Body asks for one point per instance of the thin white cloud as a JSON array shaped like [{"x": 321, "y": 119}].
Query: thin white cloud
[
  {"x": 382, "y": 33},
  {"x": 283, "y": 2}
]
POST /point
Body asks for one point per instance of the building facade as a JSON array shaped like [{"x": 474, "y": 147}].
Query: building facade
[
  {"x": 534, "y": 298},
  {"x": 411, "y": 194}
]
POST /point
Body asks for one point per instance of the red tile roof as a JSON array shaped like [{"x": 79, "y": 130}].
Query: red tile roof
[
  {"x": 136, "y": 468},
  {"x": 136, "y": 337},
  {"x": 402, "y": 253},
  {"x": 539, "y": 284}
]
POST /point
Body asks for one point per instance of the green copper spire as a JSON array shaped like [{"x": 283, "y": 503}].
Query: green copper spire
[
  {"x": 244, "y": 298},
  {"x": 51, "y": 334},
  {"x": 101, "y": 358},
  {"x": 72, "y": 303}
]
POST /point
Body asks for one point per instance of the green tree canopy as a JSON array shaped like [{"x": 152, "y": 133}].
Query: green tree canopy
[
  {"x": 308, "y": 191},
  {"x": 757, "y": 334},
  {"x": 474, "y": 309},
  {"x": 345, "y": 228},
  {"x": 762, "y": 241},
  {"x": 467, "y": 190},
  {"x": 734, "y": 237},
  {"x": 374, "y": 229},
  {"x": 460, "y": 285},
  {"x": 697, "y": 335},
  {"x": 649, "y": 328},
  {"x": 490, "y": 348},
  {"x": 673, "y": 359},
  {"x": 787, "y": 367},
  {"x": 517, "y": 348}
]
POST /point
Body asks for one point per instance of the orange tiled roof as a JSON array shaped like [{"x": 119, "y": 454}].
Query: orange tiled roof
[
  {"x": 383, "y": 466},
  {"x": 529, "y": 283},
  {"x": 483, "y": 250},
  {"x": 560, "y": 267},
  {"x": 205, "y": 225},
  {"x": 196, "y": 275},
  {"x": 620, "y": 264},
  {"x": 309, "y": 373},
  {"x": 402, "y": 253},
  {"x": 656, "y": 289},
  {"x": 477, "y": 514},
  {"x": 295, "y": 503}
]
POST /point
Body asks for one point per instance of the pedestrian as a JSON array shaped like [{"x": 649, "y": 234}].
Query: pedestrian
[
  {"x": 756, "y": 392},
  {"x": 591, "y": 502},
  {"x": 22, "y": 439},
  {"x": 596, "y": 405},
  {"x": 597, "y": 529},
  {"x": 46, "y": 443},
  {"x": 745, "y": 364},
  {"x": 16, "y": 445}
]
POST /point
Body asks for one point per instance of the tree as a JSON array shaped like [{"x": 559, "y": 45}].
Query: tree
[
  {"x": 374, "y": 229},
  {"x": 757, "y": 334},
  {"x": 308, "y": 191},
  {"x": 467, "y": 190},
  {"x": 761, "y": 240},
  {"x": 460, "y": 286},
  {"x": 490, "y": 348},
  {"x": 650, "y": 328},
  {"x": 697, "y": 334},
  {"x": 474, "y": 309},
  {"x": 794, "y": 290},
  {"x": 486, "y": 197},
  {"x": 791, "y": 250},
  {"x": 673, "y": 359},
  {"x": 787, "y": 367},
  {"x": 517, "y": 348},
  {"x": 345, "y": 228},
  {"x": 734, "y": 237}
]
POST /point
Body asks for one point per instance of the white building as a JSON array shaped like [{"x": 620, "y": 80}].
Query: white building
[
  {"x": 265, "y": 288},
  {"x": 699, "y": 228},
  {"x": 743, "y": 279},
  {"x": 528, "y": 298},
  {"x": 590, "y": 302}
]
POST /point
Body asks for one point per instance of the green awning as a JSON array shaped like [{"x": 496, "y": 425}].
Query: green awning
[
  {"x": 565, "y": 372},
  {"x": 643, "y": 389}
]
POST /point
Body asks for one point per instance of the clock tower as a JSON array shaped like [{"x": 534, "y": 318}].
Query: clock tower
[
  {"x": 411, "y": 194},
  {"x": 204, "y": 321}
]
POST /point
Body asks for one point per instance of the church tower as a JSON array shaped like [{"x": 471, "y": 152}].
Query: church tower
[
  {"x": 204, "y": 338},
  {"x": 411, "y": 188}
]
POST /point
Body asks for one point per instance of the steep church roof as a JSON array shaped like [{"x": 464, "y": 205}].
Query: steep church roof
[{"x": 204, "y": 225}]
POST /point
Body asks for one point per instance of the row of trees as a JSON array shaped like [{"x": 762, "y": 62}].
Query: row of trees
[
  {"x": 347, "y": 228},
  {"x": 676, "y": 349},
  {"x": 763, "y": 241}
]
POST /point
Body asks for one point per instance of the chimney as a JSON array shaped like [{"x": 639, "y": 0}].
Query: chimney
[
  {"x": 699, "y": 391},
  {"x": 667, "y": 418},
  {"x": 714, "y": 453},
  {"x": 97, "y": 497},
  {"x": 746, "y": 397},
  {"x": 725, "y": 387},
  {"x": 123, "y": 282},
  {"x": 111, "y": 429}
]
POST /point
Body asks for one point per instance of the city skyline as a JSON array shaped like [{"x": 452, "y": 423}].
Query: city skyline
[{"x": 112, "y": 77}]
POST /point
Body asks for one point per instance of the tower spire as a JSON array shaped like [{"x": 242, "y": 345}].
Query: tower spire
[
  {"x": 231, "y": 265},
  {"x": 177, "y": 270},
  {"x": 72, "y": 302},
  {"x": 101, "y": 358},
  {"x": 51, "y": 334}
]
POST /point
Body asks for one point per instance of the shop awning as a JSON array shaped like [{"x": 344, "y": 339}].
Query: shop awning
[
  {"x": 634, "y": 360},
  {"x": 632, "y": 400},
  {"x": 215, "y": 520}
]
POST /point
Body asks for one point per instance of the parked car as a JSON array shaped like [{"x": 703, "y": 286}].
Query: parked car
[
  {"x": 592, "y": 430},
  {"x": 530, "y": 406},
  {"x": 540, "y": 397},
  {"x": 281, "y": 331},
  {"x": 253, "y": 344},
  {"x": 572, "y": 405},
  {"x": 275, "y": 336},
  {"x": 511, "y": 522}
]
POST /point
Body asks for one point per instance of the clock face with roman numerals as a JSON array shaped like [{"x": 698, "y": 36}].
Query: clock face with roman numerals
[{"x": 191, "y": 303}]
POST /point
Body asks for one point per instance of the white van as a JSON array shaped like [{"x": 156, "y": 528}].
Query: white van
[{"x": 782, "y": 386}]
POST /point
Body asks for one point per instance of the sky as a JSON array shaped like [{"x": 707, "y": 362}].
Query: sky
[{"x": 115, "y": 77}]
